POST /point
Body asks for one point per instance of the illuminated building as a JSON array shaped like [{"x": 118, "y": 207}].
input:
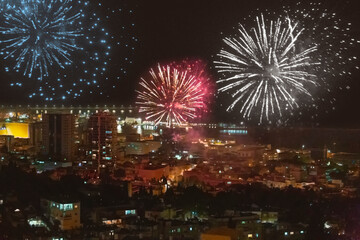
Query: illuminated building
[
  {"x": 102, "y": 128},
  {"x": 36, "y": 222},
  {"x": 16, "y": 130},
  {"x": 131, "y": 121},
  {"x": 114, "y": 215},
  {"x": 58, "y": 136},
  {"x": 10, "y": 131},
  {"x": 65, "y": 213},
  {"x": 35, "y": 130}
]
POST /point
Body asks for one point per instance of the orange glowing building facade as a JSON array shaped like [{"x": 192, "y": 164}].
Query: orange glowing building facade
[{"x": 16, "y": 130}]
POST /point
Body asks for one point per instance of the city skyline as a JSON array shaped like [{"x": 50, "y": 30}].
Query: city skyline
[
  {"x": 201, "y": 179},
  {"x": 179, "y": 119}
]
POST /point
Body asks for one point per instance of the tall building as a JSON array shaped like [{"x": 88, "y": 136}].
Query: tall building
[
  {"x": 58, "y": 136},
  {"x": 102, "y": 137},
  {"x": 35, "y": 132}
]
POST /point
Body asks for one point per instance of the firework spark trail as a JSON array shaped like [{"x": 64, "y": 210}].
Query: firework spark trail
[
  {"x": 171, "y": 96},
  {"x": 337, "y": 50},
  {"x": 264, "y": 68}
]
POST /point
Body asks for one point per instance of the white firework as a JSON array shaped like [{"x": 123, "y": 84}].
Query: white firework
[{"x": 267, "y": 69}]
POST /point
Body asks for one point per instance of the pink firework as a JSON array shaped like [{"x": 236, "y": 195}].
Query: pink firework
[{"x": 173, "y": 95}]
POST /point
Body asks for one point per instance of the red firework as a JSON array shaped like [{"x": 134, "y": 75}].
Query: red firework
[{"x": 174, "y": 93}]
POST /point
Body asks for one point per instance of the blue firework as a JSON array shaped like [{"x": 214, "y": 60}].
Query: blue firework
[
  {"x": 74, "y": 54},
  {"x": 39, "y": 34}
]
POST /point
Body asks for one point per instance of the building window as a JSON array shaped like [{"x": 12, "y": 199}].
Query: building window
[
  {"x": 68, "y": 207},
  {"x": 130, "y": 212}
]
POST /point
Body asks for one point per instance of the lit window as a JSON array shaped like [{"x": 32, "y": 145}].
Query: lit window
[
  {"x": 130, "y": 212},
  {"x": 68, "y": 207}
]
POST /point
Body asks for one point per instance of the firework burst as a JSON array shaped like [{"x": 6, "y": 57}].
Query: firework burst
[
  {"x": 39, "y": 34},
  {"x": 61, "y": 50},
  {"x": 172, "y": 96},
  {"x": 322, "y": 44},
  {"x": 265, "y": 69}
]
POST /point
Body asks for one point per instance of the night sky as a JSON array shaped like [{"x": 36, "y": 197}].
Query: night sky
[{"x": 177, "y": 29}]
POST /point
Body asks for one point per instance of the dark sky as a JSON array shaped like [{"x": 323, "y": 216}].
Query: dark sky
[{"x": 176, "y": 29}]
